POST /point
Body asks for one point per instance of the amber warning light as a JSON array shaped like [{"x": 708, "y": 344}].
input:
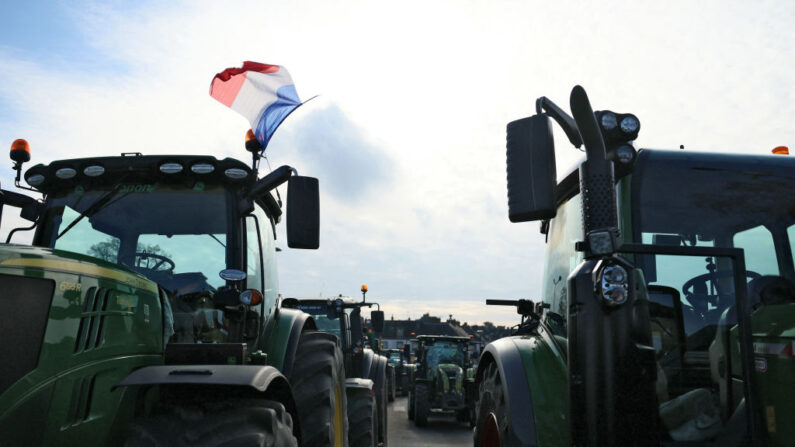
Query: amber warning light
[
  {"x": 781, "y": 150},
  {"x": 20, "y": 151}
]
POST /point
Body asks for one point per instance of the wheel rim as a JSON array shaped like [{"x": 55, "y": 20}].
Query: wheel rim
[
  {"x": 339, "y": 436},
  {"x": 491, "y": 432}
]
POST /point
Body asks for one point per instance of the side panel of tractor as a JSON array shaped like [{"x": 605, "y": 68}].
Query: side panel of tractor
[{"x": 97, "y": 323}]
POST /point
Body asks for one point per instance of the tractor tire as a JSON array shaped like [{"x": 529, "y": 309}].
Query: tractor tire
[
  {"x": 421, "y": 405},
  {"x": 491, "y": 418},
  {"x": 362, "y": 417},
  {"x": 381, "y": 401},
  {"x": 251, "y": 422},
  {"x": 390, "y": 379},
  {"x": 318, "y": 384},
  {"x": 410, "y": 406}
]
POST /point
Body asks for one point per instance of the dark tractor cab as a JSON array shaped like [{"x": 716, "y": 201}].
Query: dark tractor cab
[{"x": 665, "y": 274}]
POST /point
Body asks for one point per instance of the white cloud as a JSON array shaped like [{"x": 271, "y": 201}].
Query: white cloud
[{"x": 432, "y": 86}]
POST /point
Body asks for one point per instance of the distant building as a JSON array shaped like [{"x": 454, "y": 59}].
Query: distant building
[{"x": 398, "y": 332}]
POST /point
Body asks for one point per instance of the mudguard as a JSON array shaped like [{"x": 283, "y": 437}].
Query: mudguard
[
  {"x": 281, "y": 336},
  {"x": 259, "y": 377},
  {"x": 535, "y": 379},
  {"x": 365, "y": 384}
]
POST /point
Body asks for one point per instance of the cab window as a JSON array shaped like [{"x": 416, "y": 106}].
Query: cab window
[{"x": 561, "y": 258}]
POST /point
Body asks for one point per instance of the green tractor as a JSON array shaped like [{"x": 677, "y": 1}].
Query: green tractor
[
  {"x": 397, "y": 359},
  {"x": 441, "y": 379},
  {"x": 146, "y": 311},
  {"x": 367, "y": 408},
  {"x": 667, "y": 314}
]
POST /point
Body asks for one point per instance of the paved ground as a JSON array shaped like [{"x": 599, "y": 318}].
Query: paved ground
[{"x": 442, "y": 429}]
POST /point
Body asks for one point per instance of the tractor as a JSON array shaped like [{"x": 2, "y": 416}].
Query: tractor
[
  {"x": 146, "y": 310},
  {"x": 667, "y": 311},
  {"x": 342, "y": 317},
  {"x": 397, "y": 359},
  {"x": 441, "y": 380}
]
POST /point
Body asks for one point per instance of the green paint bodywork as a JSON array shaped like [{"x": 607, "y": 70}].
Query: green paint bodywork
[
  {"x": 277, "y": 334},
  {"x": 547, "y": 376},
  {"x": 774, "y": 354},
  {"x": 459, "y": 379},
  {"x": 67, "y": 398}
]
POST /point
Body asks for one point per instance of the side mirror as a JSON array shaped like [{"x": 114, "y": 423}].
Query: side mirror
[
  {"x": 303, "y": 212},
  {"x": 377, "y": 317},
  {"x": 531, "y": 169}
]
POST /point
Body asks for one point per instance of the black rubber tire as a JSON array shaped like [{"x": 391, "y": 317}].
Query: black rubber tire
[
  {"x": 318, "y": 381},
  {"x": 410, "y": 406},
  {"x": 250, "y": 422},
  {"x": 462, "y": 415},
  {"x": 491, "y": 399},
  {"x": 362, "y": 417},
  {"x": 390, "y": 380},
  {"x": 421, "y": 405},
  {"x": 381, "y": 401}
]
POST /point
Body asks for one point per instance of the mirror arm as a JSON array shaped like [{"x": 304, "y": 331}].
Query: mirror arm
[
  {"x": 271, "y": 181},
  {"x": 564, "y": 120}
]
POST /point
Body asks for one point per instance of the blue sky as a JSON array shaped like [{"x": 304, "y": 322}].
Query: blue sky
[{"x": 407, "y": 136}]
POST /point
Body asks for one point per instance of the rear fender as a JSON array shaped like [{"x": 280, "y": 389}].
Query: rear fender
[
  {"x": 368, "y": 357},
  {"x": 378, "y": 371},
  {"x": 281, "y": 336},
  {"x": 505, "y": 355},
  {"x": 535, "y": 382}
]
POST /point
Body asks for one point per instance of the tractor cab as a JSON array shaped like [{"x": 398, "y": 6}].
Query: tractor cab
[
  {"x": 341, "y": 316},
  {"x": 202, "y": 229},
  {"x": 669, "y": 282}
]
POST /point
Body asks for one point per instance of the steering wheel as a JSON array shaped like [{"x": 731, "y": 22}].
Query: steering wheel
[
  {"x": 688, "y": 288},
  {"x": 163, "y": 260}
]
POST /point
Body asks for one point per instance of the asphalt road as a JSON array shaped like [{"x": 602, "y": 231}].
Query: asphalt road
[{"x": 442, "y": 429}]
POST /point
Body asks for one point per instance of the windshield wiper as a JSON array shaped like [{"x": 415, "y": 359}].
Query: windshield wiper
[{"x": 92, "y": 209}]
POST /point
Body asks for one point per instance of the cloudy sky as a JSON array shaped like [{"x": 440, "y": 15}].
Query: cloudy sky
[{"x": 408, "y": 134}]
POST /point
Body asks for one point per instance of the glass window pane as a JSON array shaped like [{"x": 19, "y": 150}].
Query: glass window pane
[{"x": 759, "y": 250}]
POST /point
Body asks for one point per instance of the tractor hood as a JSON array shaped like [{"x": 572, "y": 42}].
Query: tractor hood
[{"x": 26, "y": 257}]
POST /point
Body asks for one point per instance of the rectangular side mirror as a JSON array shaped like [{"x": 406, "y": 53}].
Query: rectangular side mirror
[
  {"x": 377, "y": 317},
  {"x": 303, "y": 212},
  {"x": 531, "y": 169}
]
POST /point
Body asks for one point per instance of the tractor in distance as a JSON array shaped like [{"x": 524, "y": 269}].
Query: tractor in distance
[
  {"x": 441, "y": 379},
  {"x": 146, "y": 312},
  {"x": 667, "y": 312},
  {"x": 342, "y": 317},
  {"x": 397, "y": 359}
]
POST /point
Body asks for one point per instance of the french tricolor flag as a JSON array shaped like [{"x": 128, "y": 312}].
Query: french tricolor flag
[{"x": 262, "y": 93}]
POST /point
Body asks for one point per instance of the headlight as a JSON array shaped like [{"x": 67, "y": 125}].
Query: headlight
[
  {"x": 614, "y": 284},
  {"x": 630, "y": 124},
  {"x": 94, "y": 171},
  {"x": 171, "y": 168},
  {"x": 65, "y": 173},
  {"x": 625, "y": 154},
  {"x": 35, "y": 180},
  {"x": 609, "y": 121}
]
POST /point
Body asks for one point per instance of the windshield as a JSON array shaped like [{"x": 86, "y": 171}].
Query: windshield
[
  {"x": 752, "y": 209},
  {"x": 324, "y": 321},
  {"x": 173, "y": 235},
  {"x": 442, "y": 352}
]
